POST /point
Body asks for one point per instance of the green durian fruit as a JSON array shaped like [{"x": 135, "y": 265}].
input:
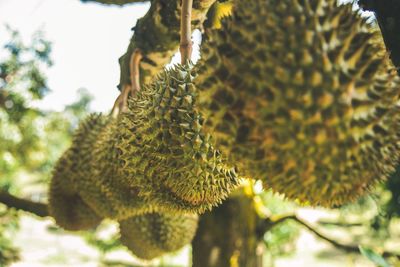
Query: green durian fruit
[
  {"x": 301, "y": 94},
  {"x": 164, "y": 154},
  {"x": 217, "y": 12},
  {"x": 65, "y": 204},
  {"x": 71, "y": 181},
  {"x": 110, "y": 197},
  {"x": 151, "y": 235},
  {"x": 87, "y": 179}
]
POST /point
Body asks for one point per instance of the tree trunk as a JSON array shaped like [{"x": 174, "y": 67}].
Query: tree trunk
[{"x": 228, "y": 236}]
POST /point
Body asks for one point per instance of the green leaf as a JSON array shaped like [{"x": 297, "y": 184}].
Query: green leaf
[{"x": 374, "y": 257}]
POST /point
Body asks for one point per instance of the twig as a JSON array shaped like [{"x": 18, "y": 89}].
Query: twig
[
  {"x": 340, "y": 224},
  {"x": 122, "y": 98},
  {"x": 116, "y": 107},
  {"x": 157, "y": 36},
  {"x": 121, "y": 103},
  {"x": 185, "y": 47},
  {"x": 269, "y": 223},
  {"x": 134, "y": 70},
  {"x": 39, "y": 209},
  {"x": 126, "y": 91}
]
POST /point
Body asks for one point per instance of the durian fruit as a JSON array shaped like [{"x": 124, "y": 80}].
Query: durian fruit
[
  {"x": 65, "y": 204},
  {"x": 300, "y": 94},
  {"x": 109, "y": 196},
  {"x": 217, "y": 12},
  {"x": 151, "y": 235},
  {"x": 71, "y": 180},
  {"x": 164, "y": 154}
]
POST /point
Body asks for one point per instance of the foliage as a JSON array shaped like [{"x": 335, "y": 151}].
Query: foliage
[
  {"x": 281, "y": 238},
  {"x": 393, "y": 186},
  {"x": 8, "y": 226},
  {"x": 31, "y": 139},
  {"x": 374, "y": 257}
]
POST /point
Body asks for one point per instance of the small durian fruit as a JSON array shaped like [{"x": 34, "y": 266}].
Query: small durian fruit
[
  {"x": 164, "y": 153},
  {"x": 151, "y": 235},
  {"x": 65, "y": 205},
  {"x": 72, "y": 177},
  {"x": 302, "y": 95},
  {"x": 109, "y": 196},
  {"x": 81, "y": 150}
]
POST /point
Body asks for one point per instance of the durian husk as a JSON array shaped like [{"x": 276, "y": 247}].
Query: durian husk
[
  {"x": 71, "y": 177},
  {"x": 164, "y": 153},
  {"x": 110, "y": 196},
  {"x": 151, "y": 235},
  {"x": 302, "y": 95}
]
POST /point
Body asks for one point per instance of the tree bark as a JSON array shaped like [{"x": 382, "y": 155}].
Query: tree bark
[
  {"x": 156, "y": 35},
  {"x": 229, "y": 236},
  {"x": 387, "y": 13},
  {"x": 39, "y": 209}
]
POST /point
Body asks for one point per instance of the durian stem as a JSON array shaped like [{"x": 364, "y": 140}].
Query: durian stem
[
  {"x": 39, "y": 209},
  {"x": 116, "y": 107},
  {"x": 157, "y": 36},
  {"x": 269, "y": 223},
  {"x": 186, "y": 31},
  {"x": 134, "y": 68},
  {"x": 120, "y": 103}
]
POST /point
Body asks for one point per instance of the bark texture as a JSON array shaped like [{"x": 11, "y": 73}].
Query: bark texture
[
  {"x": 387, "y": 13},
  {"x": 156, "y": 35},
  {"x": 229, "y": 236},
  {"x": 39, "y": 209}
]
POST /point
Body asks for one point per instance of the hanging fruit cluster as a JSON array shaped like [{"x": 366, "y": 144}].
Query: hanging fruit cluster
[{"x": 297, "y": 93}]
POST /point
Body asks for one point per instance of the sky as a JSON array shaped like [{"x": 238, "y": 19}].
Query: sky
[{"x": 87, "y": 41}]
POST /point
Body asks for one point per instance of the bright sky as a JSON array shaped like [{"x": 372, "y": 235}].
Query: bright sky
[{"x": 87, "y": 41}]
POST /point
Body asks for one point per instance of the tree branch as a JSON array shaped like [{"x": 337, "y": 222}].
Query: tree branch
[
  {"x": 39, "y": 209},
  {"x": 387, "y": 13},
  {"x": 269, "y": 223},
  {"x": 157, "y": 37},
  {"x": 340, "y": 224}
]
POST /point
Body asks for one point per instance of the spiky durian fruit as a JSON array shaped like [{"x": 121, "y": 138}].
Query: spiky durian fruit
[
  {"x": 65, "y": 204},
  {"x": 86, "y": 183},
  {"x": 301, "y": 95},
  {"x": 109, "y": 195},
  {"x": 71, "y": 179},
  {"x": 151, "y": 235},
  {"x": 164, "y": 154}
]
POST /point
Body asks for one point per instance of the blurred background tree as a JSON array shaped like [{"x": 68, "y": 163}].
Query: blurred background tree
[{"x": 31, "y": 139}]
